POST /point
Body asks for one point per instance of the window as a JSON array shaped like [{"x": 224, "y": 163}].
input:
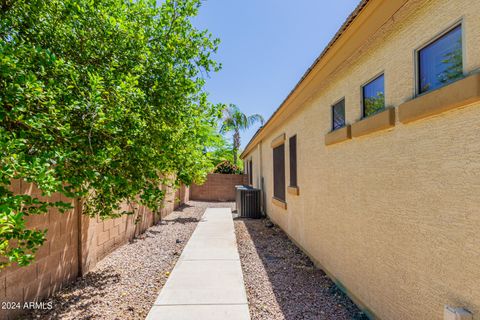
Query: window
[
  {"x": 440, "y": 62},
  {"x": 293, "y": 161},
  {"x": 338, "y": 115},
  {"x": 279, "y": 172},
  {"x": 250, "y": 173},
  {"x": 373, "y": 96}
]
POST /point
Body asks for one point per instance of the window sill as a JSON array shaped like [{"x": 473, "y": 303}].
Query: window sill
[
  {"x": 380, "y": 121},
  {"x": 451, "y": 96},
  {"x": 293, "y": 190},
  {"x": 279, "y": 203},
  {"x": 338, "y": 135}
]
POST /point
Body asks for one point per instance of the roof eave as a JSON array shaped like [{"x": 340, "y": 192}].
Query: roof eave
[{"x": 365, "y": 9}]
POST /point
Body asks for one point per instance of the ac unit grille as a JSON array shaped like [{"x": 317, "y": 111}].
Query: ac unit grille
[{"x": 248, "y": 202}]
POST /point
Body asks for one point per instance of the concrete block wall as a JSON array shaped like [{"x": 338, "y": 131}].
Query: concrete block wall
[
  {"x": 101, "y": 237},
  {"x": 218, "y": 187},
  {"x": 56, "y": 261},
  {"x": 67, "y": 254}
]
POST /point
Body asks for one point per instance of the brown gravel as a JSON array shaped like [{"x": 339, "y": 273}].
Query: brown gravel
[
  {"x": 282, "y": 282},
  {"x": 125, "y": 284}
]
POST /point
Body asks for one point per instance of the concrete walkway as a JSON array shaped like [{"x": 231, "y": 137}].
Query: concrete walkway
[{"x": 207, "y": 281}]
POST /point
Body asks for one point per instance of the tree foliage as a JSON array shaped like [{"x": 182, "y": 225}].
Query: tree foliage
[
  {"x": 227, "y": 167},
  {"x": 100, "y": 99},
  {"x": 222, "y": 151},
  {"x": 234, "y": 120}
]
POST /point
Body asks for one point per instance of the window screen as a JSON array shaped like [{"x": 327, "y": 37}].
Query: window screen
[
  {"x": 250, "y": 172},
  {"x": 293, "y": 161},
  {"x": 279, "y": 172}
]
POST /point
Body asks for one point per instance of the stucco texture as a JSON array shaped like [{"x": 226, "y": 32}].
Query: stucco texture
[{"x": 392, "y": 216}]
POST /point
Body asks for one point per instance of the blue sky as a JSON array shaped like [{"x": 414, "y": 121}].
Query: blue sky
[{"x": 266, "y": 46}]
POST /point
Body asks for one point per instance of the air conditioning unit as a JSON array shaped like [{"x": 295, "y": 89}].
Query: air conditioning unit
[{"x": 248, "y": 202}]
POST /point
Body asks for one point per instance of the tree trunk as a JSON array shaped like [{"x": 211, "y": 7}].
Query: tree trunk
[{"x": 236, "y": 146}]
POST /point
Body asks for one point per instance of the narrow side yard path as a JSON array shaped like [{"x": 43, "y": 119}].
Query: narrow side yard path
[
  {"x": 126, "y": 283},
  {"x": 282, "y": 282},
  {"x": 207, "y": 281}
]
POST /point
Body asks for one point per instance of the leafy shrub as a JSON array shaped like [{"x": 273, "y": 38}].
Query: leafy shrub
[
  {"x": 100, "y": 100},
  {"x": 223, "y": 151},
  {"x": 227, "y": 167}
]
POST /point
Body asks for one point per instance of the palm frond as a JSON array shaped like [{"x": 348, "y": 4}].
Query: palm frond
[{"x": 254, "y": 118}]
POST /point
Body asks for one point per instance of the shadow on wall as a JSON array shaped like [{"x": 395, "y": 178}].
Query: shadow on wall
[{"x": 301, "y": 290}]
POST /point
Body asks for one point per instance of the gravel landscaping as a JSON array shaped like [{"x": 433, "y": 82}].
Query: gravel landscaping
[
  {"x": 126, "y": 283},
  {"x": 282, "y": 282}
]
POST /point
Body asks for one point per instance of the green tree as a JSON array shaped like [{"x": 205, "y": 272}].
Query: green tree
[
  {"x": 102, "y": 100},
  {"x": 222, "y": 151},
  {"x": 234, "y": 121}
]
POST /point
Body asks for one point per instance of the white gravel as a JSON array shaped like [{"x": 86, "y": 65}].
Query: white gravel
[
  {"x": 126, "y": 283},
  {"x": 282, "y": 282}
]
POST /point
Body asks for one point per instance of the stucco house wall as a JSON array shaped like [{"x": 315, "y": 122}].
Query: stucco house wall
[{"x": 393, "y": 216}]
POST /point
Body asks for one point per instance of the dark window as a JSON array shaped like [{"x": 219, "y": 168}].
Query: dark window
[
  {"x": 250, "y": 173},
  {"x": 293, "y": 161},
  {"x": 440, "y": 62},
  {"x": 373, "y": 96},
  {"x": 338, "y": 115},
  {"x": 279, "y": 172}
]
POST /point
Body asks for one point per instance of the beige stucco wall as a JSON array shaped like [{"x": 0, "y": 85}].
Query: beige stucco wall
[{"x": 393, "y": 216}]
